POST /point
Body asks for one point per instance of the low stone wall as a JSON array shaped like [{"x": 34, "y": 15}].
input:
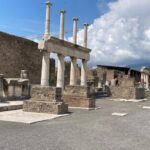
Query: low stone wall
[
  {"x": 127, "y": 93},
  {"x": 46, "y": 100},
  {"x": 14, "y": 88},
  {"x": 79, "y": 96},
  {"x": 127, "y": 90}
]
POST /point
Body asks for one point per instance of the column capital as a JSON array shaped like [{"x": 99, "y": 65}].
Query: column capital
[
  {"x": 86, "y": 24},
  {"x": 62, "y": 11},
  {"x": 48, "y": 3},
  {"x": 75, "y": 19}
]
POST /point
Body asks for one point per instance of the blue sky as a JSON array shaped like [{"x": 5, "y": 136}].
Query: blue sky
[
  {"x": 26, "y": 17},
  {"x": 119, "y": 31}
]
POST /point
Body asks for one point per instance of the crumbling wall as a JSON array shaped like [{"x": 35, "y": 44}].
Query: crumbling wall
[
  {"x": 127, "y": 89},
  {"x": 19, "y": 54}
]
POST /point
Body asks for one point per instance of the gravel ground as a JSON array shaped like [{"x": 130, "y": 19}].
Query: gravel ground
[{"x": 84, "y": 130}]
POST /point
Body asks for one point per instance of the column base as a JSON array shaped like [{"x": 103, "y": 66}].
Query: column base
[{"x": 45, "y": 100}]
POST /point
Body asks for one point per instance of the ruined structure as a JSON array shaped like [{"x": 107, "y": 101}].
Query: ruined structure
[
  {"x": 145, "y": 77},
  {"x": 14, "y": 88},
  {"x": 46, "y": 98},
  {"x": 123, "y": 82},
  {"x": 127, "y": 89},
  {"x": 17, "y": 54}
]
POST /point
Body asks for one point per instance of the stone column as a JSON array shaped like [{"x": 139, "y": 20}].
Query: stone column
[
  {"x": 47, "y": 20},
  {"x": 84, "y": 73},
  {"x": 62, "y": 24},
  {"x": 147, "y": 81},
  {"x": 85, "y": 35},
  {"x": 45, "y": 69},
  {"x": 144, "y": 79},
  {"x": 60, "y": 71},
  {"x": 99, "y": 84},
  {"x": 73, "y": 69},
  {"x": 75, "y": 30}
]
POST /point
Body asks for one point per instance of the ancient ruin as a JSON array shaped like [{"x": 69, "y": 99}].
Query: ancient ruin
[
  {"x": 68, "y": 84},
  {"x": 48, "y": 99},
  {"x": 15, "y": 88}
]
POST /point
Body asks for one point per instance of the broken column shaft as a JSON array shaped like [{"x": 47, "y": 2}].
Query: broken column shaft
[
  {"x": 47, "y": 20},
  {"x": 75, "y": 21},
  {"x": 85, "y": 35},
  {"x": 62, "y": 24}
]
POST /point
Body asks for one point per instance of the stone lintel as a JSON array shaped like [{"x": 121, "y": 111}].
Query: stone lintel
[{"x": 65, "y": 48}]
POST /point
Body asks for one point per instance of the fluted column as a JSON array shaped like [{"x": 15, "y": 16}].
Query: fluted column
[
  {"x": 45, "y": 69},
  {"x": 62, "y": 24},
  {"x": 84, "y": 73},
  {"x": 47, "y": 20},
  {"x": 60, "y": 71},
  {"x": 75, "y": 30},
  {"x": 85, "y": 35},
  {"x": 73, "y": 69}
]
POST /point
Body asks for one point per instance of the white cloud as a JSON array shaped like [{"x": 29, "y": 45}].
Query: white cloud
[{"x": 121, "y": 36}]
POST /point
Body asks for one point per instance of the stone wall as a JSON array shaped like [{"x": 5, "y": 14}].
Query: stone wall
[
  {"x": 79, "y": 96},
  {"x": 127, "y": 89},
  {"x": 17, "y": 54},
  {"x": 45, "y": 100}
]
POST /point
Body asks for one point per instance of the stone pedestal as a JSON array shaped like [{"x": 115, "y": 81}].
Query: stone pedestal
[
  {"x": 46, "y": 100},
  {"x": 79, "y": 96}
]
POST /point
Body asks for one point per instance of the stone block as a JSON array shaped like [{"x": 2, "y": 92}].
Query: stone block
[
  {"x": 45, "y": 107},
  {"x": 127, "y": 93},
  {"x": 46, "y": 94},
  {"x": 46, "y": 100},
  {"x": 79, "y": 96}
]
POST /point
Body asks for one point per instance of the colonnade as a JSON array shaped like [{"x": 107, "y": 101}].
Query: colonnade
[{"x": 61, "y": 58}]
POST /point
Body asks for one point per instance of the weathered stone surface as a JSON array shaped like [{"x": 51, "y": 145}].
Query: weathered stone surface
[
  {"x": 45, "y": 100},
  {"x": 50, "y": 94},
  {"x": 17, "y": 54},
  {"x": 127, "y": 90},
  {"x": 45, "y": 107},
  {"x": 16, "y": 88},
  {"x": 78, "y": 96},
  {"x": 77, "y": 101},
  {"x": 78, "y": 91},
  {"x": 1, "y": 87}
]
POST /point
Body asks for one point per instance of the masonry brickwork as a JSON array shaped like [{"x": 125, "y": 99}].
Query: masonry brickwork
[
  {"x": 127, "y": 89},
  {"x": 79, "y": 96},
  {"x": 17, "y": 54}
]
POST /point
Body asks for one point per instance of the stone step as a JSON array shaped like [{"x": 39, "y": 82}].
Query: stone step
[{"x": 12, "y": 107}]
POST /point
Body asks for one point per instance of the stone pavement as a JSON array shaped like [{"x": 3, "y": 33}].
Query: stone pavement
[
  {"x": 26, "y": 117},
  {"x": 84, "y": 130},
  {"x": 10, "y": 105}
]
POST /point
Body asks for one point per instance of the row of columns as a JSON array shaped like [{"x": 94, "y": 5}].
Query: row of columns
[
  {"x": 61, "y": 65},
  {"x": 61, "y": 69}
]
